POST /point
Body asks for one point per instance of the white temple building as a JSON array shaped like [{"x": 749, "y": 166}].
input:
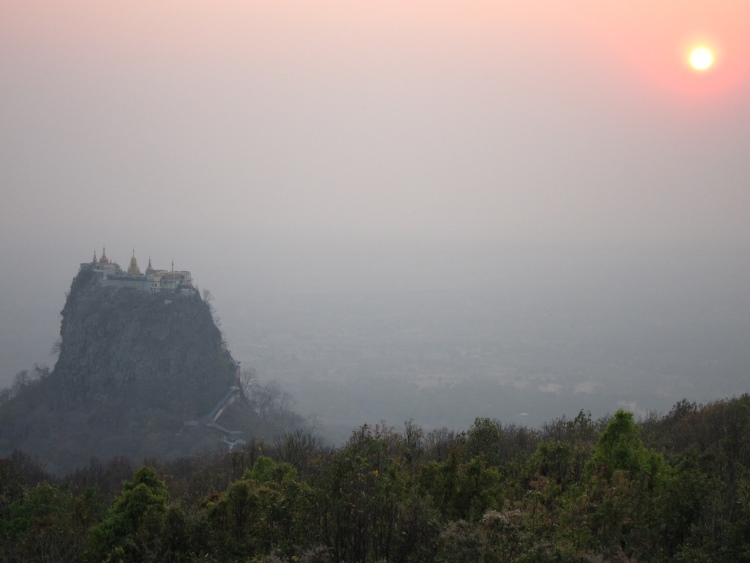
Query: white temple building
[{"x": 154, "y": 281}]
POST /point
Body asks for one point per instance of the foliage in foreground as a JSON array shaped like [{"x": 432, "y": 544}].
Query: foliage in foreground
[{"x": 671, "y": 488}]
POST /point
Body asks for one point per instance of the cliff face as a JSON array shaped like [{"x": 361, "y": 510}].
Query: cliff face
[
  {"x": 115, "y": 338},
  {"x": 133, "y": 368}
]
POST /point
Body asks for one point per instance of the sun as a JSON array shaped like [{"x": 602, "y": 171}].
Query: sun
[{"x": 701, "y": 59}]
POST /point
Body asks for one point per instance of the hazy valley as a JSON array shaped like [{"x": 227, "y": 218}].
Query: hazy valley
[
  {"x": 550, "y": 332},
  {"x": 444, "y": 334}
]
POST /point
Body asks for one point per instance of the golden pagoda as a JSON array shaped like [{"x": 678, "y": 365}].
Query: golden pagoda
[
  {"x": 104, "y": 259},
  {"x": 133, "y": 269}
]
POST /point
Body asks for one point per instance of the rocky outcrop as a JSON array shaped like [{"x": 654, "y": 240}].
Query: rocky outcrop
[
  {"x": 115, "y": 338},
  {"x": 132, "y": 368}
]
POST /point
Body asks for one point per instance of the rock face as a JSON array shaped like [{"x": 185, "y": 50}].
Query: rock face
[
  {"x": 133, "y": 368},
  {"x": 122, "y": 338}
]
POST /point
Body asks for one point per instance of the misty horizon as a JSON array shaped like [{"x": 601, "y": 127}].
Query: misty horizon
[
  {"x": 552, "y": 183},
  {"x": 441, "y": 335}
]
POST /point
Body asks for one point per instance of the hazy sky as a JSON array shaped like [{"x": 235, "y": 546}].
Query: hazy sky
[{"x": 195, "y": 129}]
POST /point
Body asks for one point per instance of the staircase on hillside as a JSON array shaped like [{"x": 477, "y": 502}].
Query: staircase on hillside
[{"x": 232, "y": 438}]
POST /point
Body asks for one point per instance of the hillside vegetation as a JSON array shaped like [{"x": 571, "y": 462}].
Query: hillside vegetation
[{"x": 671, "y": 488}]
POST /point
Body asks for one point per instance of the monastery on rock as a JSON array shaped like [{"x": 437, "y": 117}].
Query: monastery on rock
[{"x": 110, "y": 274}]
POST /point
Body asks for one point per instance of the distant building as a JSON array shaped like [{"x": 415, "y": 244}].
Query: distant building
[{"x": 110, "y": 274}]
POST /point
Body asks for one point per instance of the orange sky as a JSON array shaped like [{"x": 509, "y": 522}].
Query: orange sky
[
  {"x": 563, "y": 102},
  {"x": 639, "y": 42}
]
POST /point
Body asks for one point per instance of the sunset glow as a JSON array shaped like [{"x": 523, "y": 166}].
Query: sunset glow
[{"x": 701, "y": 59}]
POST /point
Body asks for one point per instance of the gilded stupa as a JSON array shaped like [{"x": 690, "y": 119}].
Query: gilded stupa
[{"x": 133, "y": 269}]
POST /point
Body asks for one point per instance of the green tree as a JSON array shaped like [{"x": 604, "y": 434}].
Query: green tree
[
  {"x": 624, "y": 484},
  {"x": 619, "y": 448},
  {"x": 267, "y": 510},
  {"x": 50, "y": 524},
  {"x": 485, "y": 438},
  {"x": 134, "y": 528}
]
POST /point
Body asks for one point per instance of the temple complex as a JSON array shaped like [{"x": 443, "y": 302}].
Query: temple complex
[{"x": 154, "y": 281}]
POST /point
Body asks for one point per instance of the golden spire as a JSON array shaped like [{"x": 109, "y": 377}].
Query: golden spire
[
  {"x": 149, "y": 268},
  {"x": 104, "y": 259},
  {"x": 133, "y": 269}
]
